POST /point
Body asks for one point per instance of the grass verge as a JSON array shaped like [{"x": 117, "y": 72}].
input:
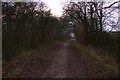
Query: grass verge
[
  {"x": 13, "y": 68},
  {"x": 99, "y": 65}
]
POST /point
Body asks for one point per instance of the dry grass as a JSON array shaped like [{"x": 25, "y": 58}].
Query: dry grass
[
  {"x": 17, "y": 63},
  {"x": 13, "y": 68},
  {"x": 101, "y": 65}
]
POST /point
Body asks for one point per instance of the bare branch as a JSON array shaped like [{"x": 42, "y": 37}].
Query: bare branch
[{"x": 111, "y": 5}]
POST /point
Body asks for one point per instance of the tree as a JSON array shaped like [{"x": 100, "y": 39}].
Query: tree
[
  {"x": 92, "y": 15},
  {"x": 27, "y": 25}
]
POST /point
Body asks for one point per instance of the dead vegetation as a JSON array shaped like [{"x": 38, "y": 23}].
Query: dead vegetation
[{"x": 99, "y": 65}]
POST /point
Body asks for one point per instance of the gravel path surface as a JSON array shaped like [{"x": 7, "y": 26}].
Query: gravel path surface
[{"x": 61, "y": 61}]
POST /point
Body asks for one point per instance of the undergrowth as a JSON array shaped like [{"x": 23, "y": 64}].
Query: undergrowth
[{"x": 100, "y": 63}]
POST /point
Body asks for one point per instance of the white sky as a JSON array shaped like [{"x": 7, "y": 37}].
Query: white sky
[{"x": 55, "y": 6}]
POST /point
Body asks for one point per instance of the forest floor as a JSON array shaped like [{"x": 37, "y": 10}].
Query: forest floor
[{"x": 63, "y": 60}]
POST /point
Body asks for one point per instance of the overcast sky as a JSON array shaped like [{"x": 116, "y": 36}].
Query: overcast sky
[{"x": 56, "y": 6}]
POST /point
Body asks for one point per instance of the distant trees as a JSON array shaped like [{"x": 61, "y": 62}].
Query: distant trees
[
  {"x": 27, "y": 25},
  {"x": 94, "y": 16}
]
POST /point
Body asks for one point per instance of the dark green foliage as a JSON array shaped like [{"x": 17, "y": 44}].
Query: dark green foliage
[{"x": 25, "y": 28}]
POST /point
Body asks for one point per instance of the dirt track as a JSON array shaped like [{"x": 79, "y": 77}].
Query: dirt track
[{"x": 61, "y": 61}]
